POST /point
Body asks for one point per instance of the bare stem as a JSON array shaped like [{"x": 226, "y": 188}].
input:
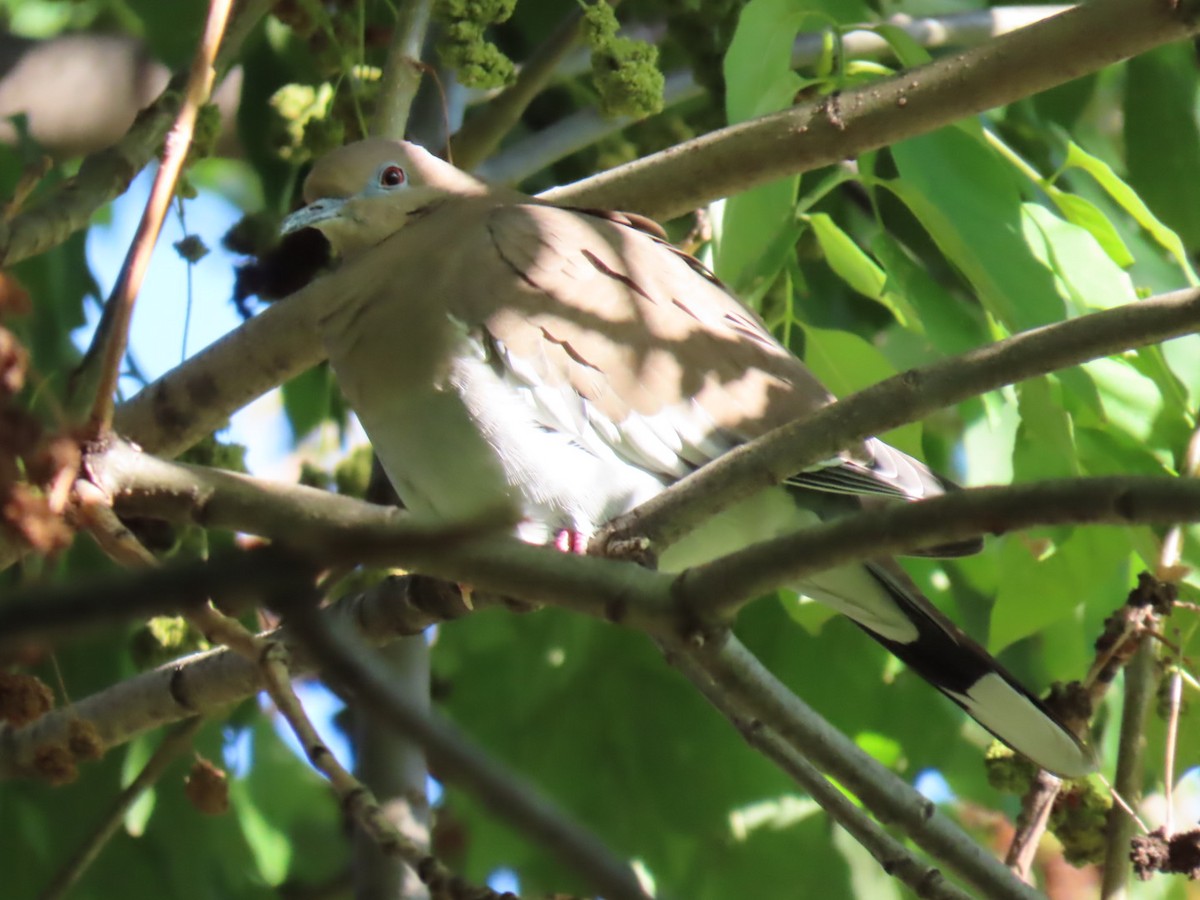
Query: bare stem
[
  {"x": 895, "y": 858},
  {"x": 173, "y": 743},
  {"x": 402, "y": 69},
  {"x": 112, "y": 335},
  {"x": 1139, "y": 694},
  {"x": 343, "y": 658}
]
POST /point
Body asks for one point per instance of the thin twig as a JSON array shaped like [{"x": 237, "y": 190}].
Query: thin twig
[
  {"x": 1036, "y": 806},
  {"x": 761, "y": 696},
  {"x": 1140, "y": 677},
  {"x": 1127, "y": 783},
  {"x": 272, "y": 658},
  {"x": 1122, "y": 803},
  {"x": 173, "y": 743},
  {"x": 357, "y": 801},
  {"x": 895, "y": 858},
  {"x": 344, "y": 658},
  {"x": 1174, "y": 696},
  {"x": 205, "y": 683},
  {"x": 112, "y": 335}
]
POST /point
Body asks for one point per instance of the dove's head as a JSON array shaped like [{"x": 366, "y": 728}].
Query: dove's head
[{"x": 366, "y": 191}]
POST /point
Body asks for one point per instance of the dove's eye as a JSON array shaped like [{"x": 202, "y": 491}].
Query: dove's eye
[{"x": 392, "y": 176}]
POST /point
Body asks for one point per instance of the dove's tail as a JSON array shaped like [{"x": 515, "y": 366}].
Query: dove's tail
[{"x": 897, "y": 615}]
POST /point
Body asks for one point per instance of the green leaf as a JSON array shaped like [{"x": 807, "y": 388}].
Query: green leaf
[
  {"x": 1109, "y": 451},
  {"x": 1087, "y": 214},
  {"x": 846, "y": 363},
  {"x": 1087, "y": 274},
  {"x": 171, "y": 29},
  {"x": 858, "y": 270},
  {"x": 1183, "y": 357},
  {"x": 1045, "y": 442},
  {"x": 268, "y": 844},
  {"x": 1128, "y": 199},
  {"x": 1091, "y": 567},
  {"x": 907, "y": 50},
  {"x": 967, "y": 199},
  {"x": 758, "y": 72},
  {"x": 1160, "y": 108},
  {"x": 1131, "y": 401},
  {"x": 806, "y": 612},
  {"x": 57, "y": 282},
  {"x": 507, "y": 677},
  {"x": 758, "y": 79},
  {"x": 952, "y": 325},
  {"x": 310, "y": 399},
  {"x": 136, "y": 755}
]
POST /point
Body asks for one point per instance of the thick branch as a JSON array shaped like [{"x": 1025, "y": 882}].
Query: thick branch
[
  {"x": 199, "y": 395},
  {"x": 340, "y": 529},
  {"x": 587, "y": 126},
  {"x": 719, "y": 588},
  {"x": 206, "y": 683},
  {"x": 814, "y": 134}
]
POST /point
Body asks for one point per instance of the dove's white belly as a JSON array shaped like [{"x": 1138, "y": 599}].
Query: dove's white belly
[{"x": 565, "y": 475}]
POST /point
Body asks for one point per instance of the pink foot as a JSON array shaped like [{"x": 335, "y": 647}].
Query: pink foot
[{"x": 569, "y": 541}]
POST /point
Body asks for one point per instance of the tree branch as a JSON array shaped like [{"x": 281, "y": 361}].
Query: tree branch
[
  {"x": 103, "y": 360},
  {"x": 760, "y": 695},
  {"x": 402, "y": 70},
  {"x": 393, "y": 766},
  {"x": 895, "y": 859},
  {"x": 904, "y": 398},
  {"x": 342, "y": 657},
  {"x": 719, "y": 588},
  {"x": 587, "y": 126},
  {"x": 198, "y": 396},
  {"x": 332, "y": 528},
  {"x": 1084, "y": 39},
  {"x": 205, "y": 683}
]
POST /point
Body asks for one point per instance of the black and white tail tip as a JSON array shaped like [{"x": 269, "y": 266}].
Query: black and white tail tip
[{"x": 967, "y": 674}]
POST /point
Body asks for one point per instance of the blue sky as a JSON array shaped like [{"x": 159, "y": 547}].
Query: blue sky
[{"x": 161, "y": 316}]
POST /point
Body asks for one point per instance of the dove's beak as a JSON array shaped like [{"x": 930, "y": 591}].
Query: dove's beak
[{"x": 313, "y": 215}]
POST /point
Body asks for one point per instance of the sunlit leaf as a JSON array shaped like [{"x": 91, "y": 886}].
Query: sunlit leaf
[
  {"x": 1129, "y": 200},
  {"x": 967, "y": 200},
  {"x": 846, "y": 363}
]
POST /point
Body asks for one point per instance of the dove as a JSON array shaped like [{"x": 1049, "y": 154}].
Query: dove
[{"x": 600, "y": 364}]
